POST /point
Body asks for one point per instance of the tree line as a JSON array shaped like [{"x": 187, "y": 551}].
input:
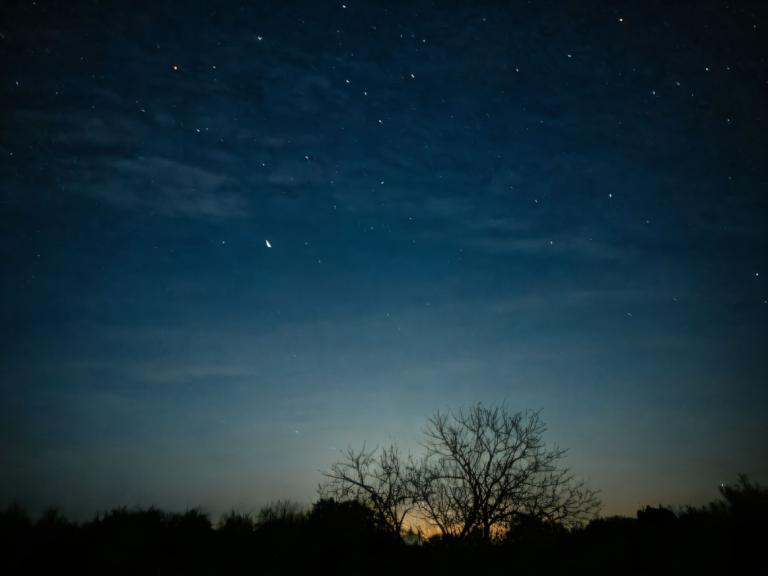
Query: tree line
[
  {"x": 725, "y": 537},
  {"x": 494, "y": 496}
]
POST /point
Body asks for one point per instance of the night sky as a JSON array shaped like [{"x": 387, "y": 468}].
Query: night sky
[{"x": 239, "y": 236}]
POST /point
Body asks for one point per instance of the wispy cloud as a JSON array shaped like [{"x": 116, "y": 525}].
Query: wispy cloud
[
  {"x": 541, "y": 245},
  {"x": 163, "y": 186}
]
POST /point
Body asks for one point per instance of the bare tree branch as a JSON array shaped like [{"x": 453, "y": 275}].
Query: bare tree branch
[
  {"x": 484, "y": 467},
  {"x": 376, "y": 478},
  {"x": 483, "y": 470}
]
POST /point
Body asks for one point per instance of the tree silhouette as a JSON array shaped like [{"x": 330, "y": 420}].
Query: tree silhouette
[
  {"x": 744, "y": 497},
  {"x": 486, "y": 468},
  {"x": 375, "y": 478},
  {"x": 723, "y": 537}
]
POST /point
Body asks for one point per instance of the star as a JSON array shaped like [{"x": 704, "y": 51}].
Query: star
[{"x": 269, "y": 245}]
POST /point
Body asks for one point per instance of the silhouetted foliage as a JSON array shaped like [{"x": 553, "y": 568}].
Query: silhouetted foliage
[
  {"x": 280, "y": 512},
  {"x": 744, "y": 499},
  {"x": 236, "y": 524},
  {"x": 379, "y": 479},
  {"x": 346, "y": 537}
]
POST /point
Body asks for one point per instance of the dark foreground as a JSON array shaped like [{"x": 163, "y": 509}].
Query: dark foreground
[{"x": 726, "y": 537}]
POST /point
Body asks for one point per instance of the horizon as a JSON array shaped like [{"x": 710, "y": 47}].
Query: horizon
[{"x": 238, "y": 238}]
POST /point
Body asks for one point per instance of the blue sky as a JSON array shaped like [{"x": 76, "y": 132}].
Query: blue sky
[{"x": 560, "y": 207}]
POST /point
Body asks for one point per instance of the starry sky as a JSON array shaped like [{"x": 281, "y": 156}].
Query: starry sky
[{"x": 239, "y": 236}]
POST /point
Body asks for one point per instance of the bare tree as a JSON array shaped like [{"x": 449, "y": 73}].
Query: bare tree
[
  {"x": 486, "y": 467},
  {"x": 376, "y": 478},
  {"x": 440, "y": 502},
  {"x": 280, "y": 511}
]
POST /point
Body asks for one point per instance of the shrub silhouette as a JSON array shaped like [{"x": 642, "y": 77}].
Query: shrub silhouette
[
  {"x": 723, "y": 537},
  {"x": 237, "y": 525}
]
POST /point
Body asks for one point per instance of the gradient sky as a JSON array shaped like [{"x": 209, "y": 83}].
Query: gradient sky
[{"x": 560, "y": 205}]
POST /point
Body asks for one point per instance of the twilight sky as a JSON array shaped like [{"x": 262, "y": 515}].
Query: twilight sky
[{"x": 560, "y": 205}]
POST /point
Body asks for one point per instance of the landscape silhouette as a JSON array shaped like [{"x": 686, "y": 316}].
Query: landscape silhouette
[
  {"x": 383, "y": 287},
  {"x": 487, "y": 496}
]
